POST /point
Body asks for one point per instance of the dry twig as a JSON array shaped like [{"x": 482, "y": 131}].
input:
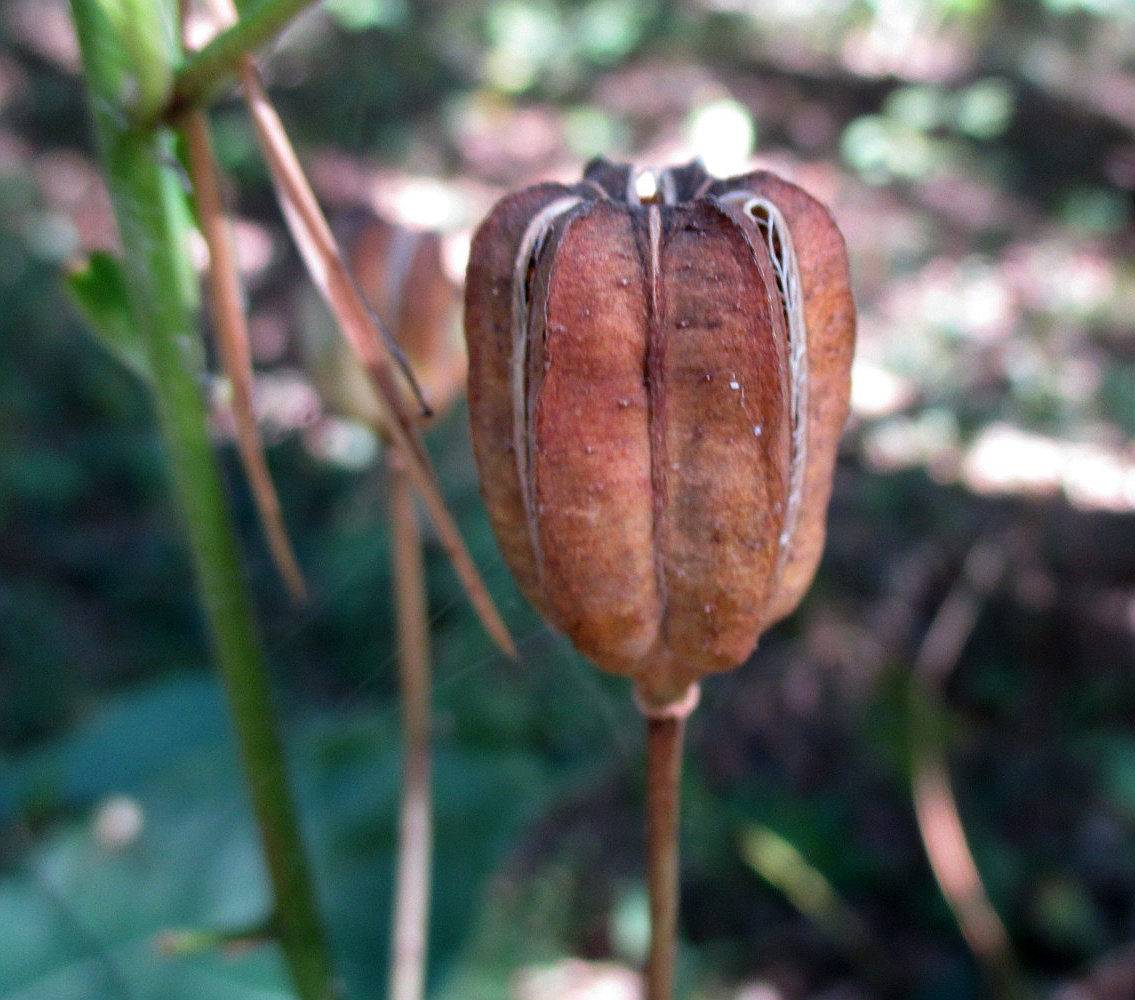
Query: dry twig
[
  {"x": 936, "y": 809},
  {"x": 665, "y": 733},
  {"x": 225, "y": 302},
  {"x": 324, "y": 262},
  {"x": 410, "y": 934}
]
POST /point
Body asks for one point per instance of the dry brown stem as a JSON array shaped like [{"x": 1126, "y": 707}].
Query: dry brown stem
[
  {"x": 324, "y": 262},
  {"x": 410, "y": 934},
  {"x": 665, "y": 730},
  {"x": 226, "y": 306},
  {"x": 936, "y": 809}
]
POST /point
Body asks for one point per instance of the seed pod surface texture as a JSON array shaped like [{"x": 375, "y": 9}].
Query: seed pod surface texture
[{"x": 657, "y": 385}]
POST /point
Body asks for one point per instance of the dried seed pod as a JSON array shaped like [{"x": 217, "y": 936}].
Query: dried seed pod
[
  {"x": 659, "y": 374},
  {"x": 400, "y": 273}
]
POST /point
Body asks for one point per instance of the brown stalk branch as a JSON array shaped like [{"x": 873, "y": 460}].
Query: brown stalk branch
[
  {"x": 410, "y": 934},
  {"x": 936, "y": 809},
  {"x": 210, "y": 68},
  {"x": 664, "y": 739},
  {"x": 331, "y": 276},
  {"x": 665, "y": 732},
  {"x": 226, "y": 306}
]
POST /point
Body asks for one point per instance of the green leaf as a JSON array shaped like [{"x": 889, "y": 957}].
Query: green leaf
[
  {"x": 98, "y": 290},
  {"x": 85, "y": 907}
]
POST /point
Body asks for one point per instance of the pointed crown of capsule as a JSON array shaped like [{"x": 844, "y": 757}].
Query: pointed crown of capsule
[{"x": 659, "y": 376}]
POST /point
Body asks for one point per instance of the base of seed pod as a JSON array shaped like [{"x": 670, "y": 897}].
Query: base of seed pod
[{"x": 680, "y": 708}]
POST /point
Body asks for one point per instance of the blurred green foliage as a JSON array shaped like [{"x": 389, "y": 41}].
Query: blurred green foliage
[{"x": 981, "y": 159}]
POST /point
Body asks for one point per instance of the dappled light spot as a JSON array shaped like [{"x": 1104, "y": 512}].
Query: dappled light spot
[
  {"x": 50, "y": 236},
  {"x": 967, "y": 298},
  {"x": 907, "y": 41},
  {"x": 722, "y": 135},
  {"x": 1006, "y": 460},
  {"x": 497, "y": 140},
  {"x": 930, "y": 440},
  {"x": 198, "y": 28},
  {"x": 255, "y": 247},
  {"x": 418, "y": 202},
  {"x": 198, "y": 251},
  {"x": 117, "y": 822},
  {"x": 883, "y": 150},
  {"x": 575, "y": 979},
  {"x": 1089, "y": 280},
  {"x": 345, "y": 443},
  {"x": 254, "y": 243},
  {"x": 283, "y": 402},
  {"x": 878, "y": 392},
  {"x": 455, "y": 255},
  {"x": 760, "y": 991}
]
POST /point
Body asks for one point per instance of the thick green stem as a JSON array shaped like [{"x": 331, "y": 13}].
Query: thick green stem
[
  {"x": 140, "y": 171},
  {"x": 206, "y": 70}
]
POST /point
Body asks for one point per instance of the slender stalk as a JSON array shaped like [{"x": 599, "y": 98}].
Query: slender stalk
[
  {"x": 208, "y": 69},
  {"x": 325, "y": 265},
  {"x": 410, "y": 935},
  {"x": 665, "y": 730},
  {"x": 935, "y": 805},
  {"x": 226, "y": 304},
  {"x": 144, "y": 188},
  {"x": 663, "y": 779}
]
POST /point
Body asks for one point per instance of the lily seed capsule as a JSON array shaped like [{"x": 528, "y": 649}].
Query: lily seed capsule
[{"x": 659, "y": 375}]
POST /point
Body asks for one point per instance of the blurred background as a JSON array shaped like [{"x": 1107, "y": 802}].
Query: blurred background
[{"x": 963, "y": 662}]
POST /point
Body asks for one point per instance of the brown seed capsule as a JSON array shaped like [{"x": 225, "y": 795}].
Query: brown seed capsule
[
  {"x": 401, "y": 276},
  {"x": 400, "y": 271},
  {"x": 657, "y": 384}
]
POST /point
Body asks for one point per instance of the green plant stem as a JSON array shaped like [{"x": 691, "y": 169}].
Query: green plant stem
[
  {"x": 208, "y": 69},
  {"x": 143, "y": 184}
]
